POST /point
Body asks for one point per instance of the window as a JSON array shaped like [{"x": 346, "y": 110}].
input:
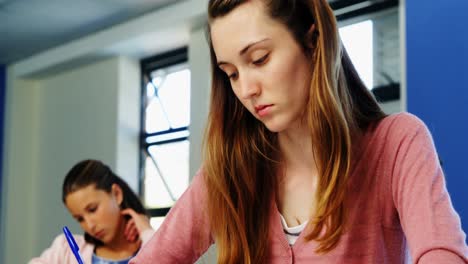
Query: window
[
  {"x": 372, "y": 41},
  {"x": 165, "y": 135},
  {"x": 358, "y": 41}
]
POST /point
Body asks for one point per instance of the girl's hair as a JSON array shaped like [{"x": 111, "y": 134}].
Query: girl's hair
[
  {"x": 242, "y": 156},
  {"x": 94, "y": 172}
]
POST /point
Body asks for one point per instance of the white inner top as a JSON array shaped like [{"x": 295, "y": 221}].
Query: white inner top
[{"x": 292, "y": 233}]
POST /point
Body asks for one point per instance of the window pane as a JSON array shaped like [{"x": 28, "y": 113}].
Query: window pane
[
  {"x": 156, "y": 222},
  {"x": 358, "y": 40},
  {"x": 168, "y": 99},
  {"x": 155, "y": 117},
  {"x": 155, "y": 192},
  {"x": 175, "y": 97},
  {"x": 166, "y": 180}
]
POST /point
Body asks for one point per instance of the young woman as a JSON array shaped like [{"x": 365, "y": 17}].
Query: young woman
[
  {"x": 109, "y": 212},
  {"x": 301, "y": 165}
]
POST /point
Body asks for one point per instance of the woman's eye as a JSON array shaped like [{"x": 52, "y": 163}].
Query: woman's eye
[
  {"x": 232, "y": 76},
  {"x": 92, "y": 209},
  {"x": 261, "y": 60}
]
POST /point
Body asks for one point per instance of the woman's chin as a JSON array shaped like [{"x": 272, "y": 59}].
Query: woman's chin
[{"x": 274, "y": 127}]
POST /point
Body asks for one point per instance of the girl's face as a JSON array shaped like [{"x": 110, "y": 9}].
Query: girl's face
[
  {"x": 268, "y": 69},
  {"x": 97, "y": 211}
]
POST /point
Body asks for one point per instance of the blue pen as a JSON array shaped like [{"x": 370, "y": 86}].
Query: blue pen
[{"x": 74, "y": 247}]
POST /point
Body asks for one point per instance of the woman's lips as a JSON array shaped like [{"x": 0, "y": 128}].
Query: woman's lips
[
  {"x": 99, "y": 234},
  {"x": 263, "y": 110}
]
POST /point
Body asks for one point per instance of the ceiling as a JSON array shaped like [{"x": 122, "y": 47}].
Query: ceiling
[{"x": 31, "y": 26}]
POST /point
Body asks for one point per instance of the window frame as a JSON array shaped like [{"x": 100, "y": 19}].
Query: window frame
[{"x": 147, "y": 66}]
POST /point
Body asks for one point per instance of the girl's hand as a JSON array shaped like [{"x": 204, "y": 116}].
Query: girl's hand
[{"x": 137, "y": 224}]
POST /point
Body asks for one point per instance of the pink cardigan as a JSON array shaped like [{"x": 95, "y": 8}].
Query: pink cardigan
[
  {"x": 397, "y": 202},
  {"x": 60, "y": 253}
]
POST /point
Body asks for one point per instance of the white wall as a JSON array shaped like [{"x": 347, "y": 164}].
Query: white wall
[
  {"x": 20, "y": 162},
  {"x": 128, "y": 110},
  {"x": 200, "y": 93},
  {"x": 76, "y": 120}
]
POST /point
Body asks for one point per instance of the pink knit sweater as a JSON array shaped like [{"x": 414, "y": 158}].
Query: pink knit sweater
[{"x": 398, "y": 202}]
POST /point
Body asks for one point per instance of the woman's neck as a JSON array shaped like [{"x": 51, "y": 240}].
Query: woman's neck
[
  {"x": 296, "y": 149},
  {"x": 298, "y": 177},
  {"x": 119, "y": 247}
]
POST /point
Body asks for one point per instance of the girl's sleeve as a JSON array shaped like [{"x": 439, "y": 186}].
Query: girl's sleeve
[
  {"x": 57, "y": 253},
  {"x": 431, "y": 225},
  {"x": 146, "y": 236},
  {"x": 185, "y": 233}
]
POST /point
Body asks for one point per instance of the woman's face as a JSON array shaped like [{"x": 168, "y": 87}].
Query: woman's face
[
  {"x": 268, "y": 69},
  {"x": 97, "y": 211}
]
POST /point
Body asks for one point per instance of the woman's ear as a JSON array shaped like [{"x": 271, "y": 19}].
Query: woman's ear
[
  {"x": 117, "y": 193},
  {"x": 311, "y": 37}
]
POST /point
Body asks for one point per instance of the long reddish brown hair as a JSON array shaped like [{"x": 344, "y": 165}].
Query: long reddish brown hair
[{"x": 241, "y": 157}]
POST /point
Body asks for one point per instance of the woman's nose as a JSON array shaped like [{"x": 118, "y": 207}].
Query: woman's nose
[
  {"x": 90, "y": 225},
  {"x": 249, "y": 86}
]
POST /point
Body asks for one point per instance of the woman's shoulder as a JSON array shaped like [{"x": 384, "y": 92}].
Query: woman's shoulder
[
  {"x": 402, "y": 120},
  {"x": 397, "y": 126},
  {"x": 199, "y": 179},
  {"x": 391, "y": 131}
]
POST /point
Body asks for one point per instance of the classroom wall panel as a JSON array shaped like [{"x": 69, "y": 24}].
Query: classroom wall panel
[
  {"x": 2, "y": 124},
  {"x": 2, "y": 115},
  {"x": 19, "y": 166},
  {"x": 437, "y": 85}
]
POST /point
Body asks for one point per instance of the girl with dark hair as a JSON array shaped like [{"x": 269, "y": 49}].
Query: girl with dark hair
[
  {"x": 109, "y": 212},
  {"x": 300, "y": 163}
]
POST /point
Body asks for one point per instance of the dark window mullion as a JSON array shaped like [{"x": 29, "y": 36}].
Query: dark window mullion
[
  {"x": 155, "y": 212},
  {"x": 171, "y": 130},
  {"x": 157, "y": 143}
]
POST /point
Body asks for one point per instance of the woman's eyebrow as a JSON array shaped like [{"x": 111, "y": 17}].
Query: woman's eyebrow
[{"x": 245, "y": 49}]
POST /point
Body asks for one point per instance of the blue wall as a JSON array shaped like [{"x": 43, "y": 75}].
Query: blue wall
[
  {"x": 437, "y": 70},
  {"x": 2, "y": 119}
]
